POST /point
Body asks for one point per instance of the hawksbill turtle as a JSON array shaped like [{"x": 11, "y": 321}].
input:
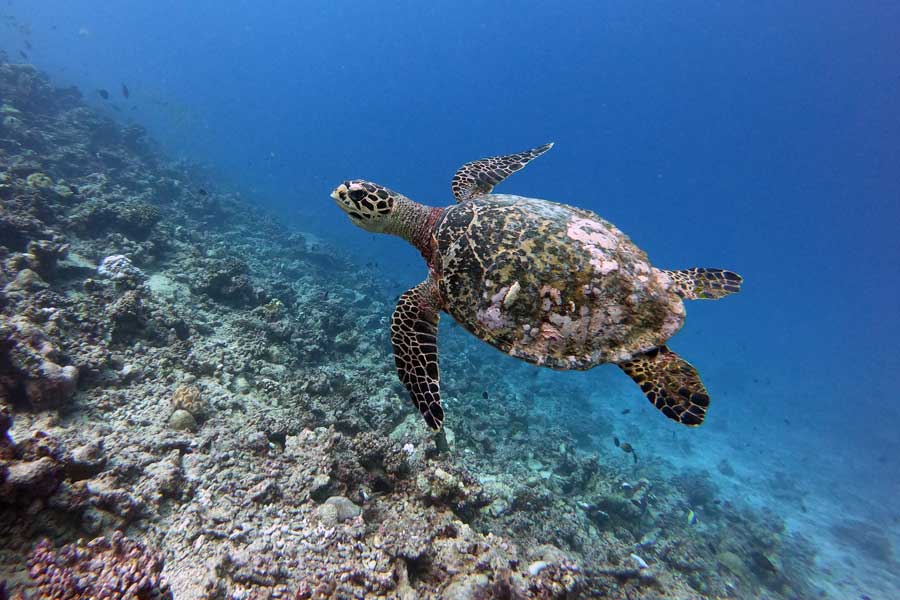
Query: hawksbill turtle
[{"x": 547, "y": 283}]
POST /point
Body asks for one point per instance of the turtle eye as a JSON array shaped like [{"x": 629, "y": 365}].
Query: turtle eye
[{"x": 357, "y": 195}]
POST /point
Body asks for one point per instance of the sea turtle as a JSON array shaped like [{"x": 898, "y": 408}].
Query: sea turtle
[{"x": 548, "y": 283}]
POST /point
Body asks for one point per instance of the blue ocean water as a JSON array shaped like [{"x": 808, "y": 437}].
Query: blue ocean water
[{"x": 756, "y": 136}]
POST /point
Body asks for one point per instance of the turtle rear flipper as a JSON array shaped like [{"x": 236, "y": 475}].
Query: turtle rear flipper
[
  {"x": 705, "y": 284},
  {"x": 479, "y": 177},
  {"x": 414, "y": 327},
  {"x": 670, "y": 383}
]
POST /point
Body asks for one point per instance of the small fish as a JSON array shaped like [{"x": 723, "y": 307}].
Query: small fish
[
  {"x": 691, "y": 517},
  {"x": 23, "y": 55},
  {"x": 626, "y": 411},
  {"x": 202, "y": 192},
  {"x": 125, "y": 91},
  {"x": 628, "y": 449},
  {"x": 74, "y": 189},
  {"x": 28, "y": 44},
  {"x": 103, "y": 94},
  {"x": 484, "y": 395},
  {"x": 616, "y": 441}
]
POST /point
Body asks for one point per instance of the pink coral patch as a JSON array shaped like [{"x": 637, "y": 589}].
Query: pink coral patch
[
  {"x": 592, "y": 233},
  {"x": 597, "y": 240}
]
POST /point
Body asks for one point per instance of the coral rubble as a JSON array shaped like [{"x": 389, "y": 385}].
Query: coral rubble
[{"x": 113, "y": 567}]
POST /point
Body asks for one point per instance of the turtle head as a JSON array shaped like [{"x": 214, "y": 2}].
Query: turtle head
[{"x": 368, "y": 204}]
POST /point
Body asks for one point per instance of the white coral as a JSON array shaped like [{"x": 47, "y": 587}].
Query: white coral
[{"x": 118, "y": 267}]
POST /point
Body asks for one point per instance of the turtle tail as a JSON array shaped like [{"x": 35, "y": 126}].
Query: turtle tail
[{"x": 705, "y": 284}]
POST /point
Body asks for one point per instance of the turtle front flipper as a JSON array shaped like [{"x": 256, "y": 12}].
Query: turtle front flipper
[
  {"x": 414, "y": 327},
  {"x": 479, "y": 177},
  {"x": 670, "y": 383}
]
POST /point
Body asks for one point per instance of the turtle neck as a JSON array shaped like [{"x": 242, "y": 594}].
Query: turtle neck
[{"x": 414, "y": 223}]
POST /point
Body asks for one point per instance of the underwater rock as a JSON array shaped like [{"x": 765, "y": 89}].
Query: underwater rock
[
  {"x": 40, "y": 258},
  {"x": 18, "y": 225},
  {"x": 28, "y": 90},
  {"x": 228, "y": 282},
  {"x": 264, "y": 492},
  {"x": 85, "y": 461},
  {"x": 29, "y": 479},
  {"x": 126, "y": 315},
  {"x": 337, "y": 509},
  {"x": 28, "y": 371},
  {"x": 473, "y": 586},
  {"x": 447, "y": 486},
  {"x": 615, "y": 507},
  {"x": 735, "y": 564},
  {"x": 26, "y": 281},
  {"x": 39, "y": 181},
  {"x": 30, "y": 470},
  {"x": 321, "y": 487},
  {"x": 97, "y": 217},
  {"x": 44, "y": 255},
  {"x": 119, "y": 268},
  {"x": 136, "y": 218},
  {"x": 105, "y": 567},
  {"x": 182, "y": 420},
  {"x": 7, "y": 447}
]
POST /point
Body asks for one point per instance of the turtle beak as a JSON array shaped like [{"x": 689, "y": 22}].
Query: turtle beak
[{"x": 339, "y": 192}]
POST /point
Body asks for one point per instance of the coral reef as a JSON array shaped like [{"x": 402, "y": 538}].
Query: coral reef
[
  {"x": 113, "y": 567},
  {"x": 26, "y": 471},
  {"x": 29, "y": 365},
  {"x": 184, "y": 371}
]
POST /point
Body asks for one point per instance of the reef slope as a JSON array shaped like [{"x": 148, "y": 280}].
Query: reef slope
[{"x": 205, "y": 392}]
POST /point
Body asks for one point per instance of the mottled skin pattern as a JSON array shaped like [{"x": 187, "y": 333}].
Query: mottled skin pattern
[
  {"x": 414, "y": 326},
  {"x": 551, "y": 284},
  {"x": 705, "y": 284}
]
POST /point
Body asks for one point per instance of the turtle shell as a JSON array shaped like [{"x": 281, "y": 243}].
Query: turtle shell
[{"x": 551, "y": 284}]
